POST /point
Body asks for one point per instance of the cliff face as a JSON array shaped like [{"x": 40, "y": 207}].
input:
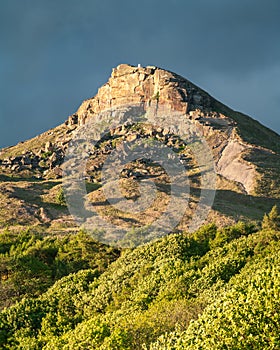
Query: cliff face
[{"x": 135, "y": 85}]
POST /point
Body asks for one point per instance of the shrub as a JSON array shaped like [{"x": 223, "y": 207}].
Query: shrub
[
  {"x": 271, "y": 221},
  {"x": 60, "y": 197}
]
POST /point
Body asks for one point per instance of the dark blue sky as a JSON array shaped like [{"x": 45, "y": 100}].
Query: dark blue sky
[{"x": 54, "y": 54}]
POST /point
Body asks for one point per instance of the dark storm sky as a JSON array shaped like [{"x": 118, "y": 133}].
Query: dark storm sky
[{"x": 54, "y": 54}]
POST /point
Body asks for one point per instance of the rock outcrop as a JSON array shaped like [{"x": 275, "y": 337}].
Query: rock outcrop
[
  {"x": 154, "y": 86},
  {"x": 144, "y": 85}
]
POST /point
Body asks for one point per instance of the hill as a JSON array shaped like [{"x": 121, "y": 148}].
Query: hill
[
  {"x": 245, "y": 156},
  {"x": 209, "y": 280}
]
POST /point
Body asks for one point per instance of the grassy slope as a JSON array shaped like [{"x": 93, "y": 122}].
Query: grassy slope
[
  {"x": 250, "y": 129},
  {"x": 34, "y": 144}
]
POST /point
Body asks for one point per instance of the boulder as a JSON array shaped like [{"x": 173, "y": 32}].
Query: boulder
[{"x": 49, "y": 147}]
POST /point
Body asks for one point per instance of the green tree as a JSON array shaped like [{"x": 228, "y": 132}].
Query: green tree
[
  {"x": 60, "y": 197},
  {"x": 271, "y": 221}
]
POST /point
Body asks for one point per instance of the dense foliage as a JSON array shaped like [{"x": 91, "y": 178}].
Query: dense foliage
[
  {"x": 215, "y": 289},
  {"x": 31, "y": 262}
]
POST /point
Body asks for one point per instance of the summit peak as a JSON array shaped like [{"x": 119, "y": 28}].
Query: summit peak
[{"x": 146, "y": 86}]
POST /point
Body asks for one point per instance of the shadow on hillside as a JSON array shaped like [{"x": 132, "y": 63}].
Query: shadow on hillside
[
  {"x": 12, "y": 178},
  {"x": 229, "y": 203},
  {"x": 238, "y": 205}
]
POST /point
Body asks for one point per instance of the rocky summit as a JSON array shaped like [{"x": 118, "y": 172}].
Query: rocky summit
[{"x": 246, "y": 156}]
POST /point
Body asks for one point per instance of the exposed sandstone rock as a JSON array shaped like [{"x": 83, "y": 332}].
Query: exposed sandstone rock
[
  {"x": 152, "y": 86},
  {"x": 49, "y": 147},
  {"x": 134, "y": 85},
  {"x": 43, "y": 216},
  {"x": 231, "y": 165}
]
